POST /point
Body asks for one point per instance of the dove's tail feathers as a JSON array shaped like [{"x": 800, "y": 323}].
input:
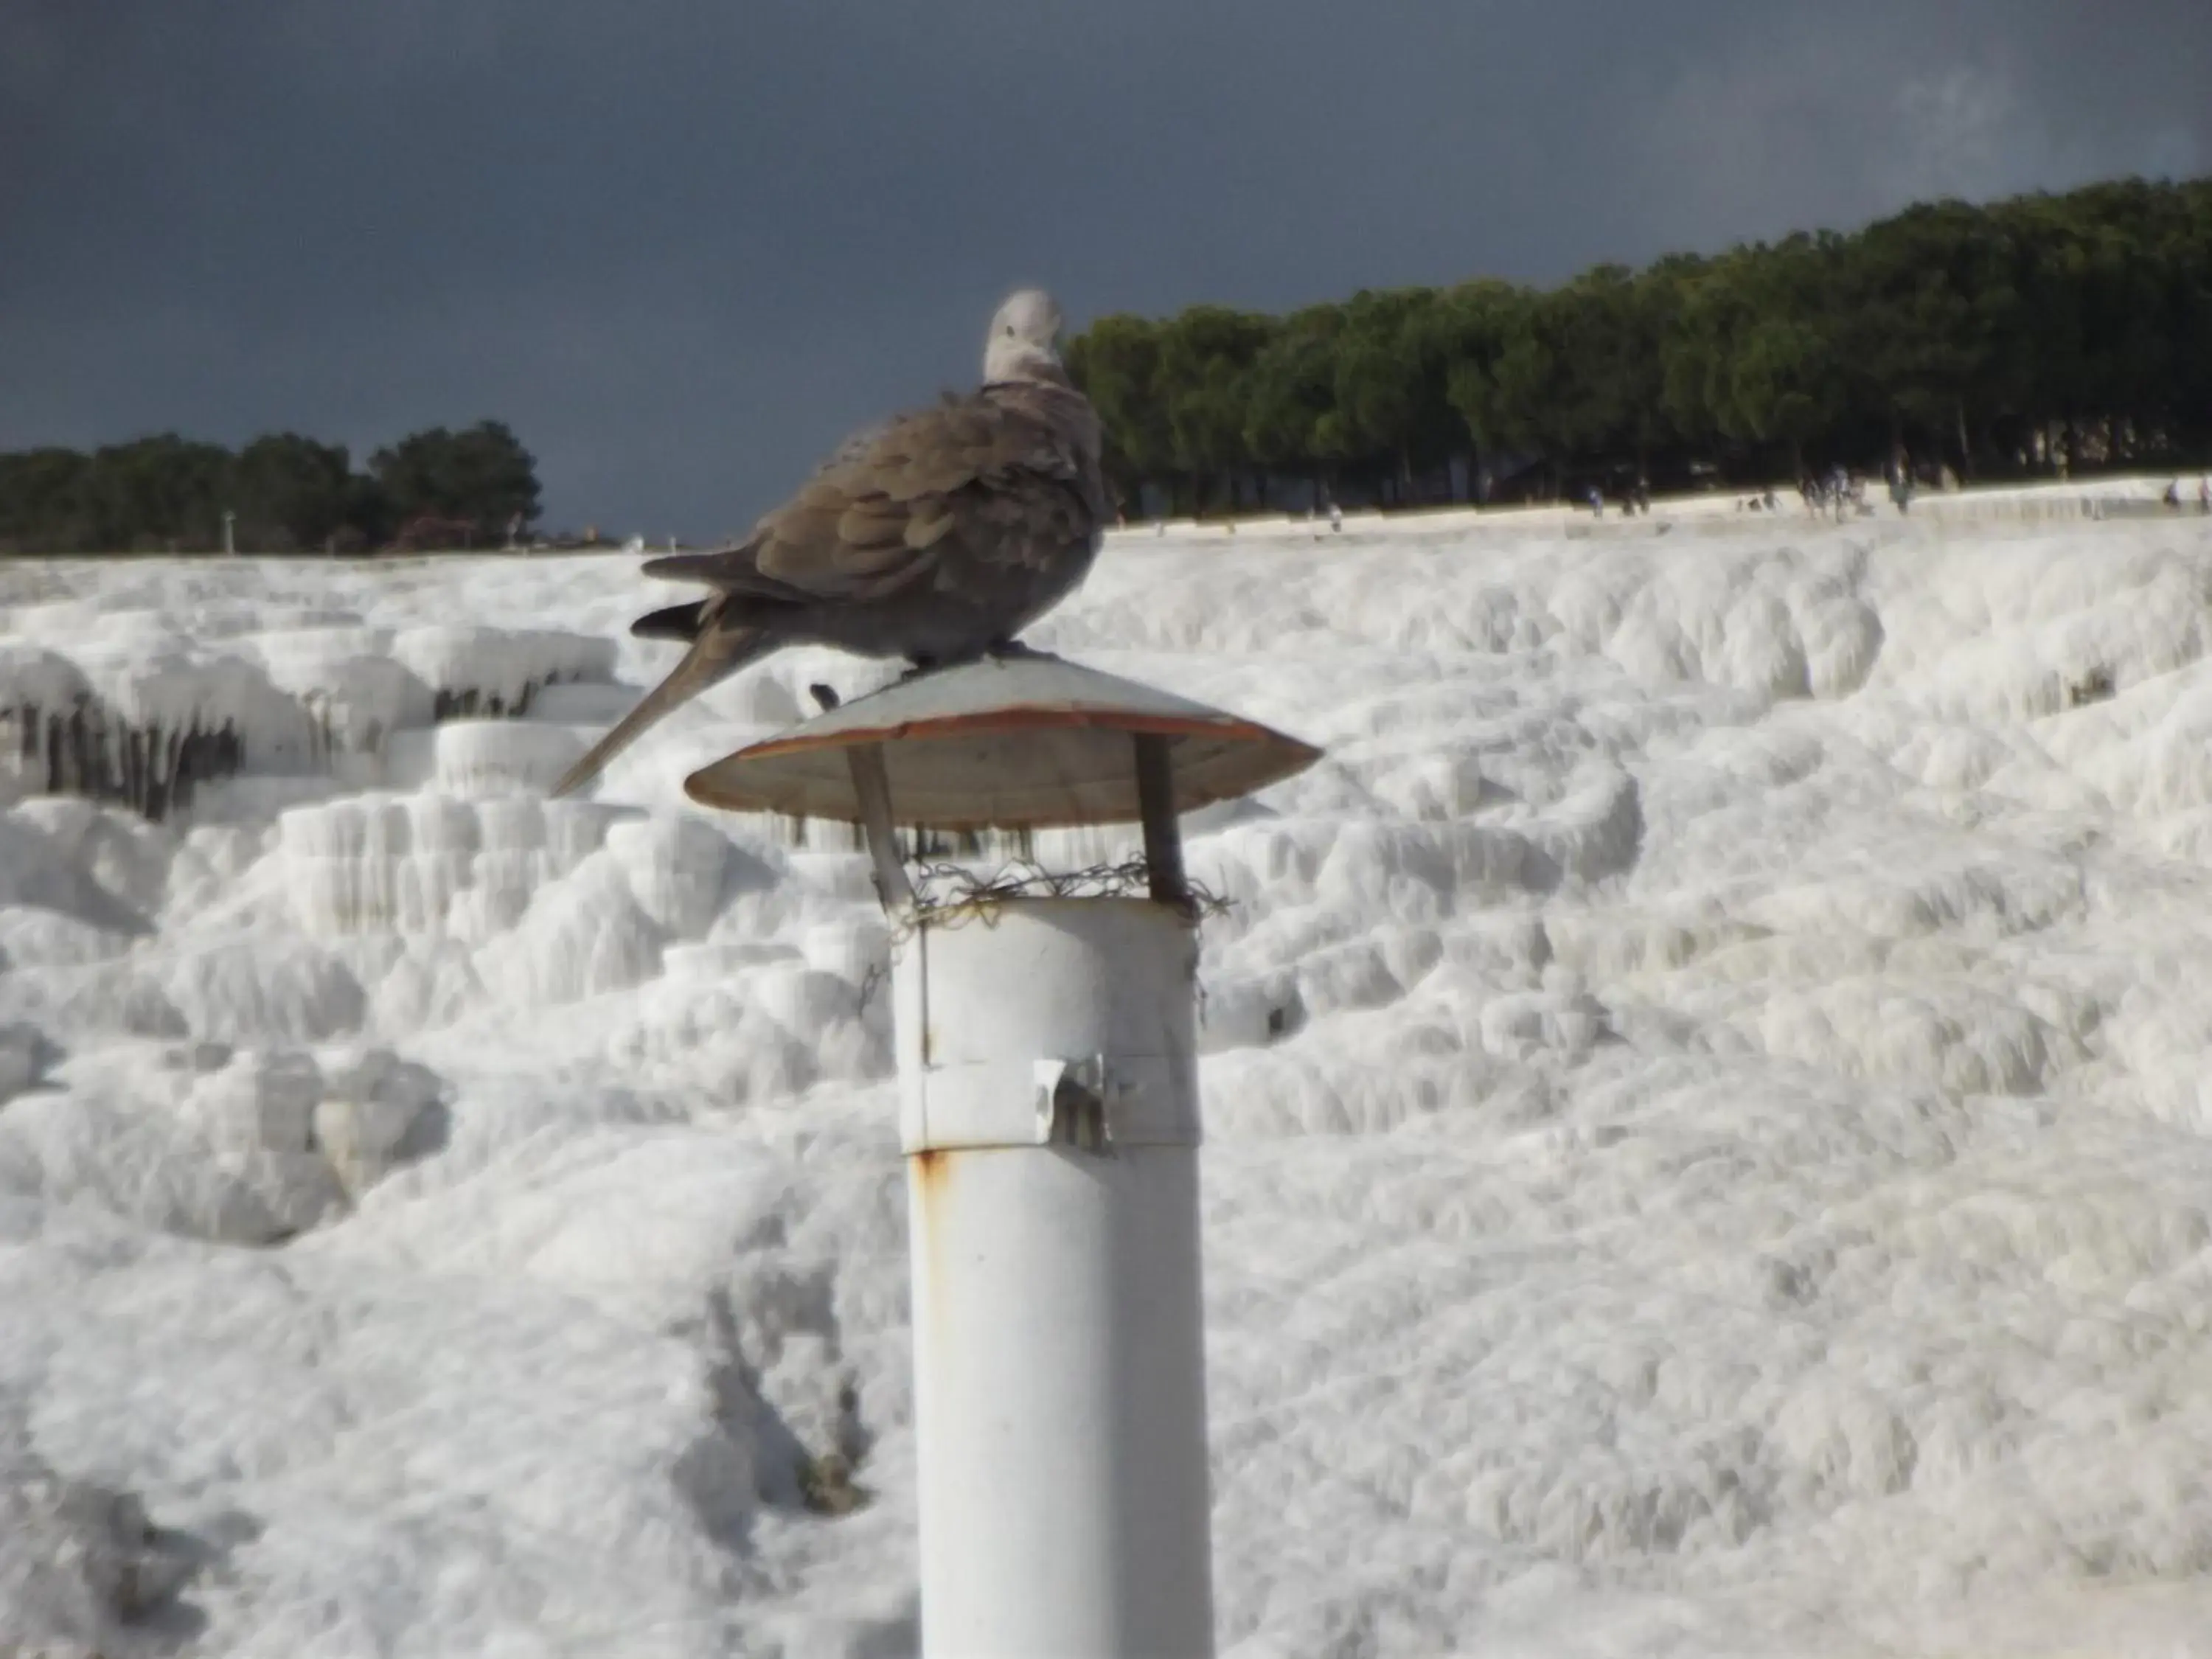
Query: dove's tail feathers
[
  {"x": 691, "y": 567},
  {"x": 730, "y": 570},
  {"x": 712, "y": 659},
  {"x": 678, "y": 622}
]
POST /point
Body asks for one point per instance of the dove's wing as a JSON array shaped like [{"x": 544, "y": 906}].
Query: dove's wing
[{"x": 879, "y": 515}]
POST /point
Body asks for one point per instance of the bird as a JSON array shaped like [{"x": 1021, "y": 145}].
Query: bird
[{"x": 936, "y": 535}]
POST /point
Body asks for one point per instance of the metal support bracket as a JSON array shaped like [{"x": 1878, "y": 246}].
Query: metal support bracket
[
  {"x": 1076, "y": 1101},
  {"x": 871, "y": 785},
  {"x": 1156, "y": 797}
]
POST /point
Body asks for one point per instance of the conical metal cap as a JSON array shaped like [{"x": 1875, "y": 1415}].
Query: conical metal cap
[{"x": 1019, "y": 742}]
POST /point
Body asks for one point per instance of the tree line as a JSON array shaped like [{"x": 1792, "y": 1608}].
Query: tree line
[
  {"x": 2044, "y": 335},
  {"x": 280, "y": 494}
]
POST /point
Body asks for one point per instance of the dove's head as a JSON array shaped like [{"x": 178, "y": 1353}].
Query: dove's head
[{"x": 1024, "y": 341}]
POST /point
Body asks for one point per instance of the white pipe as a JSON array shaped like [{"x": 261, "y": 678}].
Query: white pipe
[{"x": 1048, "y": 1105}]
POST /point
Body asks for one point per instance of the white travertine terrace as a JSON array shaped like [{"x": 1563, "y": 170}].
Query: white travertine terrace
[{"x": 1709, "y": 1139}]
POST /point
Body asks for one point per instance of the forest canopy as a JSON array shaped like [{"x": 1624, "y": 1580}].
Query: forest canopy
[
  {"x": 2046, "y": 336},
  {"x": 284, "y": 493},
  {"x": 2042, "y": 336}
]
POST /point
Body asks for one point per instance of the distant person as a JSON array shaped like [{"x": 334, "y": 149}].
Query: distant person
[
  {"x": 2205, "y": 494},
  {"x": 1335, "y": 519},
  {"x": 2172, "y": 496}
]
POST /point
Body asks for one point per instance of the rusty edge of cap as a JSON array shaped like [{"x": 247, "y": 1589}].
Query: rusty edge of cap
[
  {"x": 1023, "y": 719},
  {"x": 1016, "y": 720}
]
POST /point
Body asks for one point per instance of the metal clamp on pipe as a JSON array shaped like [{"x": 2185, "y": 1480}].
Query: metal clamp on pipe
[{"x": 1078, "y": 1101}]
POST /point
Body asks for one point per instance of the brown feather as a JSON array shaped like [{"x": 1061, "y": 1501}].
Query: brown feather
[{"x": 715, "y": 655}]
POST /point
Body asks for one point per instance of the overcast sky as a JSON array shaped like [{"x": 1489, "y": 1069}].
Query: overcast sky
[{"x": 683, "y": 246}]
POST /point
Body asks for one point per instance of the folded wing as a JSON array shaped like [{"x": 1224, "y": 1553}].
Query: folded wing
[{"x": 884, "y": 512}]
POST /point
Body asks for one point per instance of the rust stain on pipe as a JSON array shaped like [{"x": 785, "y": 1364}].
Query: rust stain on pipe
[
  {"x": 929, "y": 1181},
  {"x": 931, "y": 1165}
]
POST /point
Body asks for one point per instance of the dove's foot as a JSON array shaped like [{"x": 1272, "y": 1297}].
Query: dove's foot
[{"x": 997, "y": 651}]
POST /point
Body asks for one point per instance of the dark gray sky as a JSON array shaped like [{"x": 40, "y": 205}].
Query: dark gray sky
[{"x": 682, "y": 245}]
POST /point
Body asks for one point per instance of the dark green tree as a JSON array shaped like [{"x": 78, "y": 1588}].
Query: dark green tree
[
  {"x": 1116, "y": 362},
  {"x": 1751, "y": 357},
  {"x": 481, "y": 476},
  {"x": 1292, "y": 392},
  {"x": 289, "y": 493},
  {"x": 1471, "y": 327},
  {"x": 1206, "y": 358},
  {"x": 46, "y": 502},
  {"x": 1392, "y": 388},
  {"x": 156, "y": 493}
]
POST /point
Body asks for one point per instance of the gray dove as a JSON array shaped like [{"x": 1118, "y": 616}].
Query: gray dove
[{"x": 937, "y": 536}]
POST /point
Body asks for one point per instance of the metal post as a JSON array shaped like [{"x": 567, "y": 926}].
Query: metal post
[
  {"x": 1049, "y": 1107},
  {"x": 872, "y": 787},
  {"x": 1048, "y": 1110},
  {"x": 1156, "y": 809}
]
